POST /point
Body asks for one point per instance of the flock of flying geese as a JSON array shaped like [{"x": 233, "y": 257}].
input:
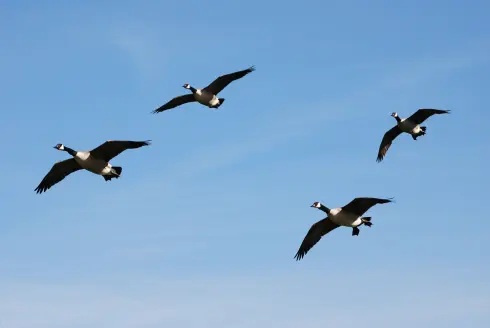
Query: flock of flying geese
[{"x": 98, "y": 159}]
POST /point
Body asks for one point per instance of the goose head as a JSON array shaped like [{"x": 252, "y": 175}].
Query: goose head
[
  {"x": 187, "y": 86},
  {"x": 394, "y": 114},
  {"x": 316, "y": 205},
  {"x": 59, "y": 147}
]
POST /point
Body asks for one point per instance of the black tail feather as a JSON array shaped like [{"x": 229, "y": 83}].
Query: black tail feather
[
  {"x": 118, "y": 170},
  {"x": 221, "y": 101},
  {"x": 367, "y": 221}
]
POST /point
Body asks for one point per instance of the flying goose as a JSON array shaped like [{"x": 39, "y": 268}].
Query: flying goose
[
  {"x": 349, "y": 215},
  {"x": 95, "y": 161},
  {"x": 408, "y": 125},
  {"x": 206, "y": 96}
]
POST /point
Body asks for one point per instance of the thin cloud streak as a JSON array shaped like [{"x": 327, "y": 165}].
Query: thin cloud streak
[
  {"x": 220, "y": 301},
  {"x": 297, "y": 122},
  {"x": 433, "y": 67},
  {"x": 143, "y": 49}
]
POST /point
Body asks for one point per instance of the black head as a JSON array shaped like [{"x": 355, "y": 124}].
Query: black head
[
  {"x": 59, "y": 147},
  {"x": 187, "y": 86},
  {"x": 316, "y": 205}
]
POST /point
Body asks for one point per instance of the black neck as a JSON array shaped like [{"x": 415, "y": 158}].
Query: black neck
[
  {"x": 69, "y": 151},
  {"x": 324, "y": 208},
  {"x": 194, "y": 90},
  {"x": 398, "y": 119}
]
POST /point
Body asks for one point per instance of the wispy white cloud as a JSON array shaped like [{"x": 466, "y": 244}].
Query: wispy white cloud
[
  {"x": 380, "y": 299},
  {"x": 436, "y": 66},
  {"x": 270, "y": 130},
  {"x": 294, "y": 122},
  {"x": 261, "y": 135},
  {"x": 283, "y": 300},
  {"x": 141, "y": 47}
]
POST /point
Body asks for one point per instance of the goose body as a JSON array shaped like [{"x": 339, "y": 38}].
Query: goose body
[
  {"x": 204, "y": 97},
  {"x": 344, "y": 218},
  {"x": 95, "y": 161},
  {"x": 92, "y": 164},
  {"x": 350, "y": 215},
  {"x": 410, "y": 125},
  {"x": 207, "y": 96}
]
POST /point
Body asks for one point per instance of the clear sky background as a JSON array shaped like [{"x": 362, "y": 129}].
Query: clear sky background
[{"x": 202, "y": 228}]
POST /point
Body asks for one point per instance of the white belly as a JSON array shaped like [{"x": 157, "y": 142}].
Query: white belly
[
  {"x": 416, "y": 129},
  {"x": 93, "y": 165},
  {"x": 346, "y": 219},
  {"x": 409, "y": 127},
  {"x": 206, "y": 98}
]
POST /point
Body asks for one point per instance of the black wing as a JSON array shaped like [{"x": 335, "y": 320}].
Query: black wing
[
  {"x": 222, "y": 81},
  {"x": 388, "y": 138},
  {"x": 57, "y": 173},
  {"x": 316, "y": 232},
  {"x": 177, "y": 101},
  {"x": 360, "y": 205},
  {"x": 110, "y": 149},
  {"x": 424, "y": 113}
]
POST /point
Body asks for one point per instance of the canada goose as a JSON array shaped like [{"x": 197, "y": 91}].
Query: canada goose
[
  {"x": 206, "y": 96},
  {"x": 349, "y": 215},
  {"x": 408, "y": 125},
  {"x": 95, "y": 161}
]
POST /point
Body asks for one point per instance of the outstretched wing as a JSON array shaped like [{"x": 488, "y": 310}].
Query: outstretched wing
[
  {"x": 177, "y": 101},
  {"x": 222, "y": 81},
  {"x": 316, "y": 232},
  {"x": 110, "y": 149},
  {"x": 360, "y": 205},
  {"x": 388, "y": 138},
  {"x": 57, "y": 173},
  {"x": 424, "y": 113}
]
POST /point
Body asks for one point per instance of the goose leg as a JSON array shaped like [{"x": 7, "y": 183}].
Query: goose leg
[
  {"x": 355, "y": 231},
  {"x": 417, "y": 135}
]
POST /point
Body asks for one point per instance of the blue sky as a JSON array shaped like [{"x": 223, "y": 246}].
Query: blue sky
[{"x": 202, "y": 228}]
